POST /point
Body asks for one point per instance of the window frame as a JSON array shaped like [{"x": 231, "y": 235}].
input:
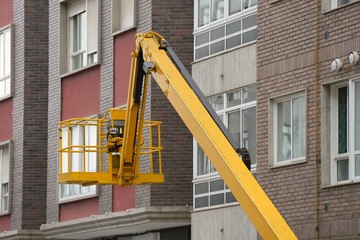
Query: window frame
[
  {"x": 10, "y": 76},
  {"x": 116, "y": 16},
  {"x": 92, "y": 37},
  {"x": 78, "y": 188},
  {"x": 212, "y": 174},
  {"x": 330, "y": 5},
  {"x": 351, "y": 151},
  {"x": 273, "y": 129},
  {"x": 226, "y": 41},
  {"x": 9, "y": 182}
]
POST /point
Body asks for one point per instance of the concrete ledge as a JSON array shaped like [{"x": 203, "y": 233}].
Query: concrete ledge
[
  {"x": 132, "y": 221},
  {"x": 22, "y": 235}
]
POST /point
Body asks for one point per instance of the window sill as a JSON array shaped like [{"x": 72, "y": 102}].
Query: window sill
[
  {"x": 6, "y": 97},
  {"x": 273, "y": 1},
  {"x": 288, "y": 163},
  {"x": 4, "y": 214},
  {"x": 79, "y": 70},
  {"x": 78, "y": 198},
  {"x": 350, "y": 182},
  {"x": 225, "y": 205},
  {"x": 117, "y": 32}
]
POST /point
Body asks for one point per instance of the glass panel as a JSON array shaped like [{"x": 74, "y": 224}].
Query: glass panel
[
  {"x": 217, "y": 47},
  {"x": 216, "y": 199},
  {"x": 76, "y": 157},
  {"x": 249, "y": 22},
  {"x": 298, "y": 127},
  {"x": 2, "y": 88},
  {"x": 249, "y": 3},
  {"x": 217, "y": 9},
  {"x": 234, "y": 98},
  {"x": 234, "y": 125},
  {"x": 217, "y": 102},
  {"x": 201, "y": 202},
  {"x": 357, "y": 165},
  {"x": 343, "y": 170},
  {"x": 7, "y": 51},
  {"x": 249, "y": 132},
  {"x": 5, "y": 197},
  {"x": 202, "y": 38},
  {"x": 342, "y": 120},
  {"x": 234, "y": 6},
  {"x": 283, "y": 133},
  {"x": 357, "y": 116},
  {"x": 91, "y": 155},
  {"x": 77, "y": 61},
  {"x": 230, "y": 197},
  {"x": 249, "y": 36},
  {"x": 204, "y": 12},
  {"x": 343, "y": 2},
  {"x": 217, "y": 33},
  {"x": 64, "y": 140},
  {"x": 233, "y": 41},
  {"x": 233, "y": 27},
  {"x": 7, "y": 86},
  {"x": 202, "y": 162},
  {"x": 201, "y": 188},
  {"x": 202, "y": 52},
  {"x": 216, "y": 185},
  {"x": 249, "y": 94}
]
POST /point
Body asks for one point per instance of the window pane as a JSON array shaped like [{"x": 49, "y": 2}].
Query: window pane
[
  {"x": 201, "y": 188},
  {"x": 357, "y": 165},
  {"x": 202, "y": 52},
  {"x": 357, "y": 116},
  {"x": 91, "y": 155},
  {"x": 342, "y": 120},
  {"x": 2, "y": 53},
  {"x": 216, "y": 199},
  {"x": 298, "y": 127},
  {"x": 217, "y": 102},
  {"x": 343, "y": 170},
  {"x": 283, "y": 131},
  {"x": 230, "y": 197},
  {"x": 249, "y": 132},
  {"x": 217, "y": 9},
  {"x": 249, "y": 36},
  {"x": 64, "y": 142},
  {"x": 249, "y": 22},
  {"x": 202, "y": 162},
  {"x": 249, "y": 94},
  {"x": 7, "y": 51},
  {"x": 202, "y": 38},
  {"x": 2, "y": 88},
  {"x": 233, "y": 27},
  {"x": 217, "y": 33},
  {"x": 234, "y": 98},
  {"x": 201, "y": 202},
  {"x": 234, "y": 125},
  {"x": 234, "y": 6},
  {"x": 76, "y": 157},
  {"x": 216, "y": 185},
  {"x": 5, "y": 197},
  {"x": 249, "y": 3},
  {"x": 217, "y": 47},
  {"x": 204, "y": 12},
  {"x": 233, "y": 41}
]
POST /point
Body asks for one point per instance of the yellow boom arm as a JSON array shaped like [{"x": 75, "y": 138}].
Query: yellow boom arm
[{"x": 163, "y": 66}]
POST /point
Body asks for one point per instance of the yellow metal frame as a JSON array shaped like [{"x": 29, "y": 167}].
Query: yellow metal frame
[{"x": 112, "y": 174}]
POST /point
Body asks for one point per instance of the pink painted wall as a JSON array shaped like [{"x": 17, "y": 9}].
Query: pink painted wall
[
  {"x": 123, "y": 198},
  {"x": 6, "y": 108},
  {"x": 6, "y": 12},
  {"x": 5, "y": 223},
  {"x": 79, "y": 209},
  {"x": 124, "y": 44}
]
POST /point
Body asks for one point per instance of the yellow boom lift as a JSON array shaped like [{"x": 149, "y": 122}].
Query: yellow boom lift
[{"x": 128, "y": 140}]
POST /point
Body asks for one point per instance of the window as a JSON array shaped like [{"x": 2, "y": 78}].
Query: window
[
  {"x": 79, "y": 161},
  {"x": 5, "y": 63},
  {"x": 338, "y": 3},
  {"x": 289, "y": 129},
  {"x": 237, "y": 109},
  {"x": 5, "y": 178},
  {"x": 123, "y": 15},
  {"x": 222, "y": 25},
  {"x": 79, "y": 44},
  {"x": 345, "y": 131}
]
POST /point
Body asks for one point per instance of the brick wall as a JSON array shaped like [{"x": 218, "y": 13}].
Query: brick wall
[
  {"x": 30, "y": 114},
  {"x": 286, "y": 63},
  {"x": 52, "y": 208}
]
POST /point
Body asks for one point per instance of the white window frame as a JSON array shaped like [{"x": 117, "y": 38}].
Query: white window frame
[
  {"x": 212, "y": 174},
  {"x": 76, "y": 191},
  {"x": 351, "y": 151},
  {"x": 6, "y": 78},
  {"x": 337, "y": 3},
  {"x": 123, "y": 15},
  {"x": 5, "y": 181},
  {"x": 274, "y": 111},
  {"x": 208, "y": 45},
  {"x": 90, "y": 49}
]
